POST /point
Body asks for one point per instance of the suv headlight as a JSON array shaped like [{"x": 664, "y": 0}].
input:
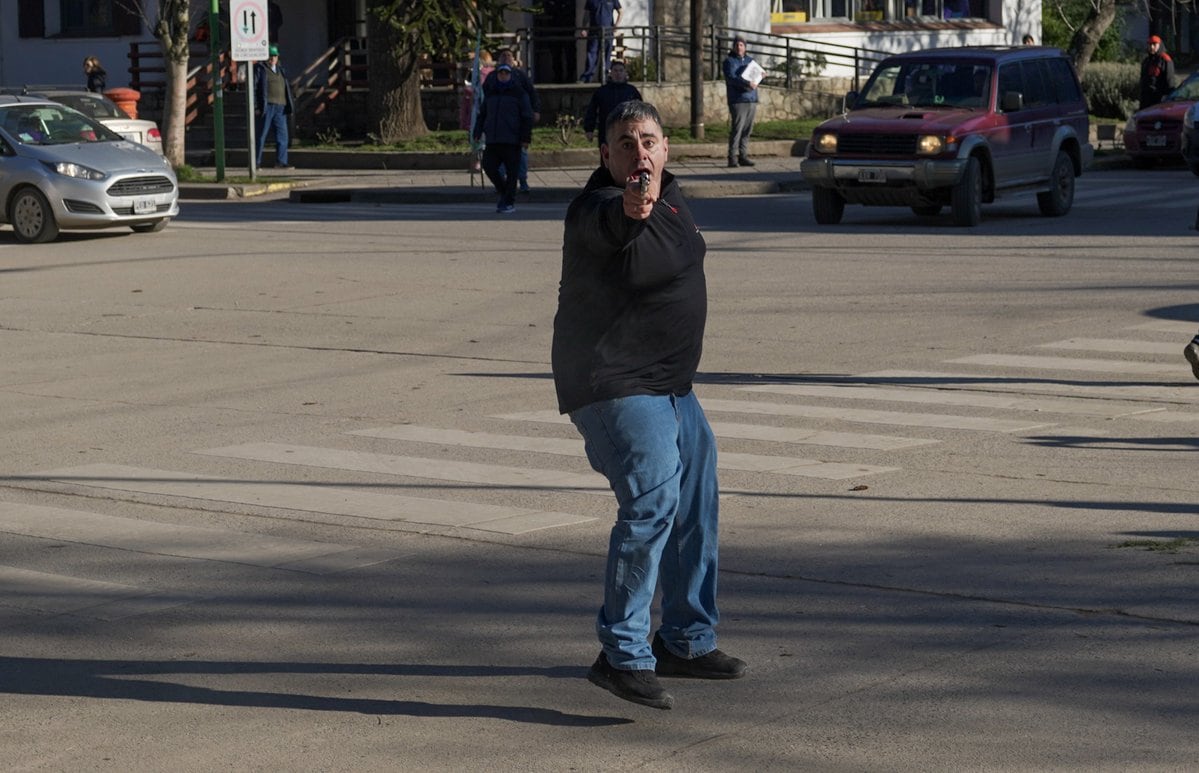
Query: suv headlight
[
  {"x": 826, "y": 142},
  {"x": 1188, "y": 118},
  {"x": 934, "y": 144},
  {"x": 67, "y": 169}
]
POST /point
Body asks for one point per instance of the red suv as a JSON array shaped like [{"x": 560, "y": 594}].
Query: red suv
[{"x": 954, "y": 127}]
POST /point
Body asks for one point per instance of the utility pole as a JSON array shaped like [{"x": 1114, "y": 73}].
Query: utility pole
[
  {"x": 218, "y": 88},
  {"x": 697, "y": 69}
]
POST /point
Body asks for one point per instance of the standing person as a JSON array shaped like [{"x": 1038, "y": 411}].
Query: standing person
[
  {"x": 743, "y": 102},
  {"x": 506, "y": 121},
  {"x": 1157, "y": 73},
  {"x": 632, "y": 303},
  {"x": 600, "y": 19},
  {"x": 508, "y": 56},
  {"x": 606, "y": 98},
  {"x": 275, "y": 104},
  {"x": 96, "y": 75}
]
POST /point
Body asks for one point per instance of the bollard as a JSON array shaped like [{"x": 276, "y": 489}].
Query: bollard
[{"x": 126, "y": 99}]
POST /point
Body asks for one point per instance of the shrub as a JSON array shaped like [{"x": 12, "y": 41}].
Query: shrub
[
  {"x": 641, "y": 69},
  {"x": 1112, "y": 89}
]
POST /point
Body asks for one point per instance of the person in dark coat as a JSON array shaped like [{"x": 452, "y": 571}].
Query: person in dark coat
[
  {"x": 606, "y": 98},
  {"x": 95, "y": 73},
  {"x": 506, "y": 122},
  {"x": 508, "y": 56},
  {"x": 1157, "y": 74},
  {"x": 628, "y": 335}
]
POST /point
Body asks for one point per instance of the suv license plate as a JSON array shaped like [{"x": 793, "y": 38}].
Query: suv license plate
[
  {"x": 1155, "y": 141},
  {"x": 872, "y": 175},
  {"x": 144, "y": 207}
]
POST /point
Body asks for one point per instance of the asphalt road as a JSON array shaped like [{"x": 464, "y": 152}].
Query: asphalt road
[{"x": 283, "y": 489}]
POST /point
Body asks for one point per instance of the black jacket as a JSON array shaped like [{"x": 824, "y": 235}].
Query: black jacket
[
  {"x": 492, "y": 82},
  {"x": 505, "y": 117},
  {"x": 1157, "y": 78},
  {"x": 632, "y": 302},
  {"x": 603, "y": 101}
]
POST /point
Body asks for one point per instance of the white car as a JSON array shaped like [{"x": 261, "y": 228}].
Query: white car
[
  {"x": 106, "y": 112},
  {"x": 60, "y": 169}
]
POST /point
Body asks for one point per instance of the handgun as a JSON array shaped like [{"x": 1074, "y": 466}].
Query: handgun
[{"x": 643, "y": 181}]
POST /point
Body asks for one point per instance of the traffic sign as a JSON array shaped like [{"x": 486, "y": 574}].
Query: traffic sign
[{"x": 248, "y": 30}]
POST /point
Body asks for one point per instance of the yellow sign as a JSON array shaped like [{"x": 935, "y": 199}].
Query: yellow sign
[{"x": 788, "y": 17}]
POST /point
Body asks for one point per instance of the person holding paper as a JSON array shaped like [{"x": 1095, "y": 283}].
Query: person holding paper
[{"x": 741, "y": 77}]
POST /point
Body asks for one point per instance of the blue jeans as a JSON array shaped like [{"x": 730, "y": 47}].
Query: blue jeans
[
  {"x": 274, "y": 117},
  {"x": 593, "y": 43},
  {"x": 659, "y": 455}
]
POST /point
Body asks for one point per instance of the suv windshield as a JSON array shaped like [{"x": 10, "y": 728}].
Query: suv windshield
[
  {"x": 1187, "y": 90},
  {"x": 96, "y": 106},
  {"x": 928, "y": 84},
  {"x": 52, "y": 125}
]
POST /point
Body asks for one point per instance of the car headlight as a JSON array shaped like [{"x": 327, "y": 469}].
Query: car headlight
[
  {"x": 826, "y": 143},
  {"x": 1188, "y": 118},
  {"x": 68, "y": 169},
  {"x": 933, "y": 144}
]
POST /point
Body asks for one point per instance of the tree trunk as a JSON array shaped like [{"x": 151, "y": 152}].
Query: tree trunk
[
  {"x": 395, "y": 106},
  {"x": 1086, "y": 38},
  {"x": 173, "y": 30}
]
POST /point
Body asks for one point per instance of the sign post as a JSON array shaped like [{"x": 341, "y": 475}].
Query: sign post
[{"x": 248, "y": 39}]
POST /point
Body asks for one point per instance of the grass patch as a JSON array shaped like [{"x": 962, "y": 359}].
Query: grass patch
[
  {"x": 1159, "y": 546},
  {"x": 546, "y": 138}
]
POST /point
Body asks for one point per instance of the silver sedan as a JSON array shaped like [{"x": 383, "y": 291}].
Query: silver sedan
[{"x": 60, "y": 169}]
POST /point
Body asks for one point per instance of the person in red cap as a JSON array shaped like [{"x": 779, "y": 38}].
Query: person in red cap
[{"x": 1157, "y": 74}]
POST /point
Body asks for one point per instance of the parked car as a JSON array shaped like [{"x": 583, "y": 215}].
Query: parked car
[
  {"x": 1190, "y": 138},
  {"x": 1157, "y": 132},
  {"x": 60, "y": 169},
  {"x": 106, "y": 112},
  {"x": 956, "y": 127}
]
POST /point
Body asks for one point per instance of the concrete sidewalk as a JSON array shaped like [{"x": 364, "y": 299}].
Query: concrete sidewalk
[{"x": 702, "y": 175}]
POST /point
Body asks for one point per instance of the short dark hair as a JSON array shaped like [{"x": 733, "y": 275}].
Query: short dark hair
[{"x": 632, "y": 110}]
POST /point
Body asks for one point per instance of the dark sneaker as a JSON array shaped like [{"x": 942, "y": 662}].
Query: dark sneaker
[
  {"x": 714, "y": 665},
  {"x": 1192, "y": 355},
  {"x": 636, "y": 686},
  {"x": 732, "y": 163},
  {"x": 743, "y": 161}
]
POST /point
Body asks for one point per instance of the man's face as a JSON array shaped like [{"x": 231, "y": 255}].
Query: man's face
[
  {"x": 634, "y": 147},
  {"x": 504, "y": 75},
  {"x": 507, "y": 58},
  {"x": 1153, "y": 46},
  {"x": 740, "y": 47},
  {"x": 618, "y": 73}
]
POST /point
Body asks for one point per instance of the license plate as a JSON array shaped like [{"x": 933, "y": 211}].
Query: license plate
[
  {"x": 144, "y": 207},
  {"x": 1156, "y": 141},
  {"x": 872, "y": 175}
]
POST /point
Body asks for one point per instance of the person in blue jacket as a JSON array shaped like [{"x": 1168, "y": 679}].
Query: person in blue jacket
[
  {"x": 506, "y": 122},
  {"x": 743, "y": 102}
]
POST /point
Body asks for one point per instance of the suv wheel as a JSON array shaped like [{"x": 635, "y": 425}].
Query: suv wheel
[
  {"x": 967, "y": 195},
  {"x": 1057, "y": 201},
  {"x": 827, "y": 205},
  {"x": 32, "y": 218}
]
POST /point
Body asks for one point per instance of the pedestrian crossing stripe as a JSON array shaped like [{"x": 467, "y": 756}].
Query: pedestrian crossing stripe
[
  {"x": 799, "y": 435},
  {"x": 944, "y": 396},
  {"x": 1119, "y": 346},
  {"x": 1035, "y": 362},
  {"x": 57, "y": 594},
  {"x": 332, "y": 500},
  {"x": 779, "y": 465},
  {"x": 1043, "y": 385},
  {"x": 194, "y": 542},
  {"x": 937, "y": 420}
]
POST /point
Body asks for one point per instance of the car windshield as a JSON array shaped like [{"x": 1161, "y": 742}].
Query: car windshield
[
  {"x": 52, "y": 125},
  {"x": 1187, "y": 91},
  {"x": 928, "y": 84},
  {"x": 96, "y": 106}
]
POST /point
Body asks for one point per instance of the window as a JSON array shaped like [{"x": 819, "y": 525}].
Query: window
[
  {"x": 1010, "y": 80},
  {"x": 98, "y": 18},
  {"x": 1037, "y": 89},
  {"x": 830, "y": 9},
  {"x": 1064, "y": 84}
]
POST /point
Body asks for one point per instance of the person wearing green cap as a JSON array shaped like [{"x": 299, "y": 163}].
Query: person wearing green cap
[{"x": 274, "y": 105}]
